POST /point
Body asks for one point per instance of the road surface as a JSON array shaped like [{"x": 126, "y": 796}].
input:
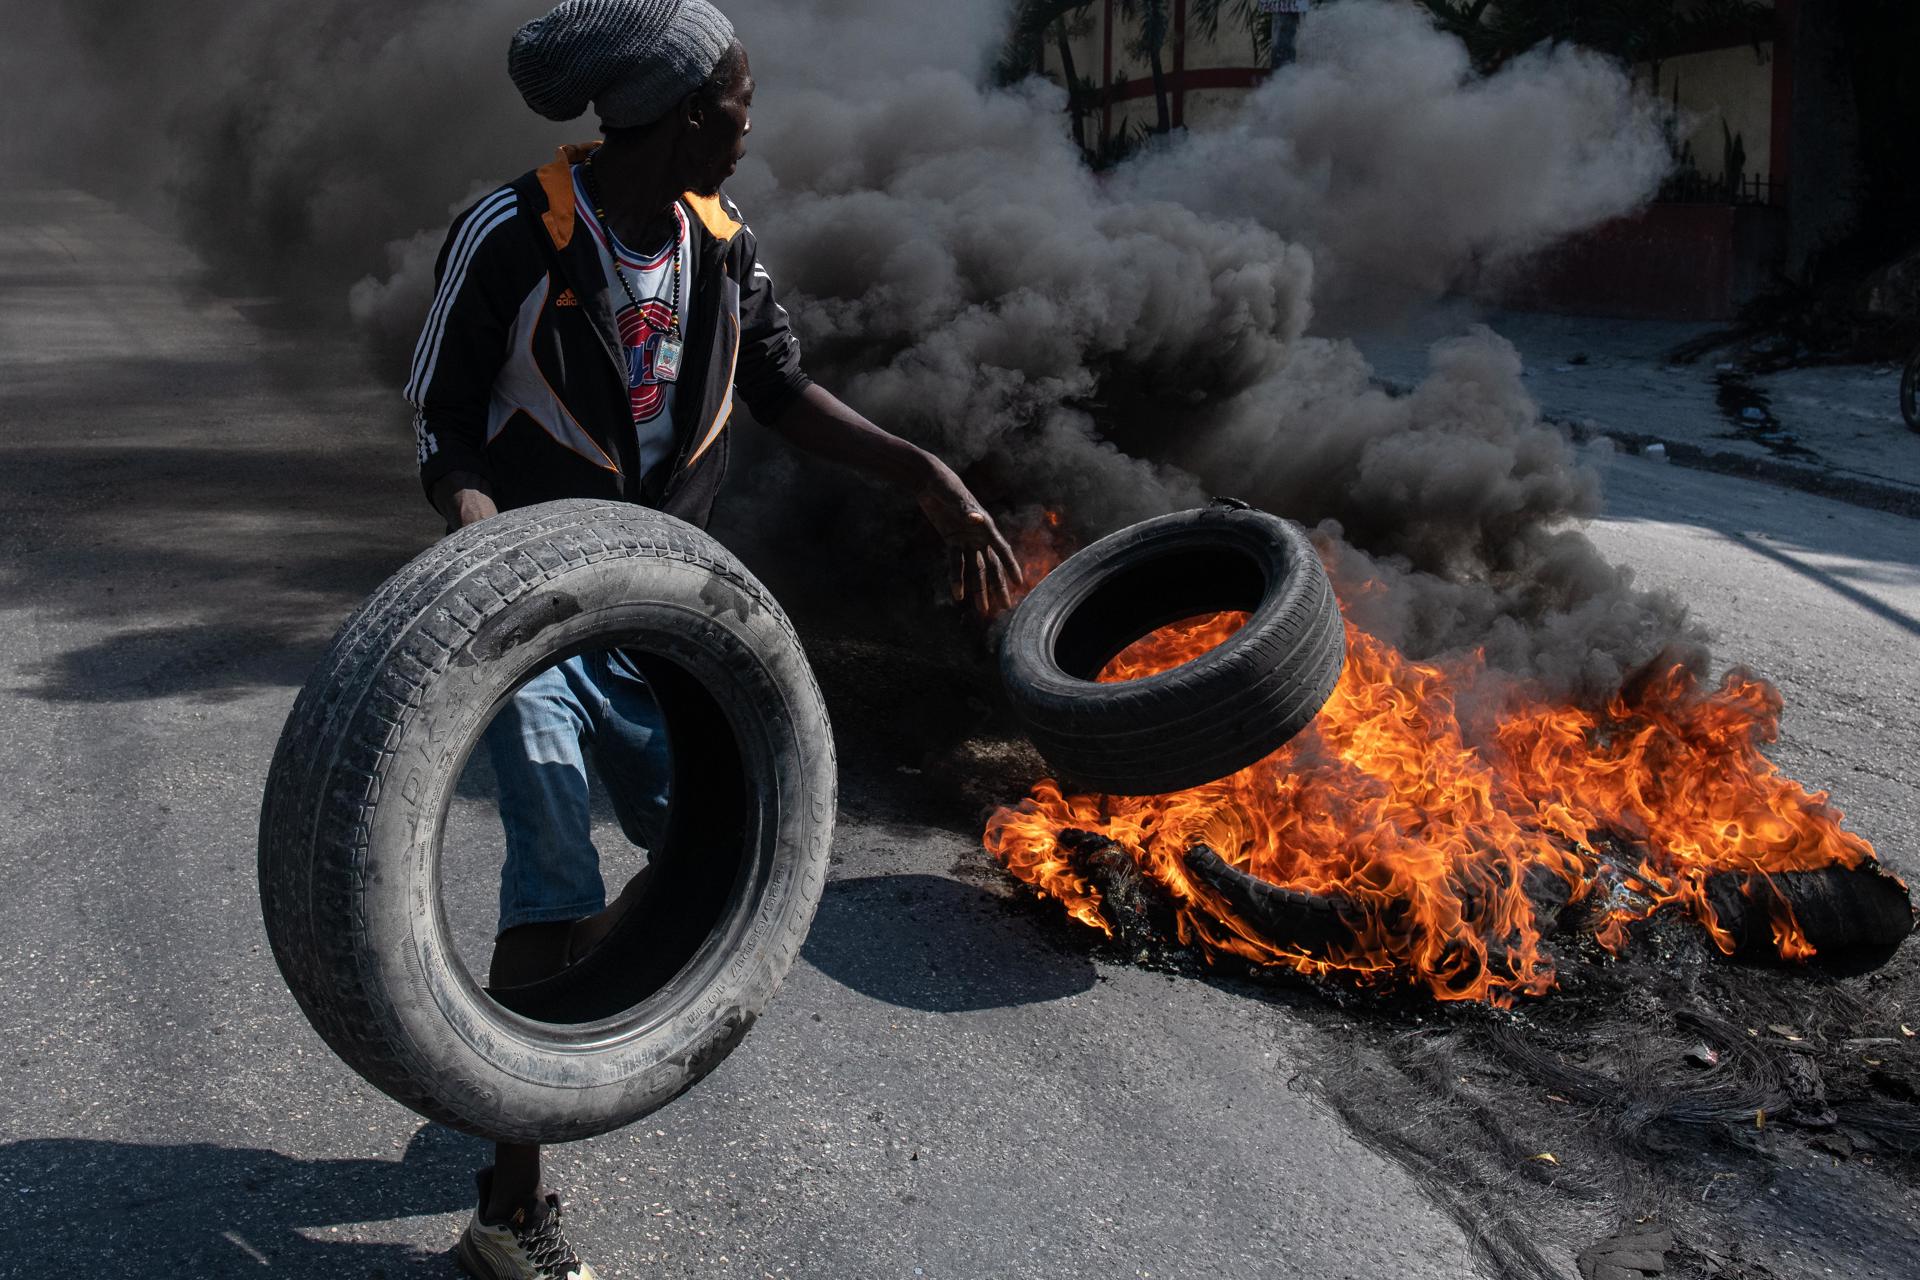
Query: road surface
[{"x": 191, "y": 497}]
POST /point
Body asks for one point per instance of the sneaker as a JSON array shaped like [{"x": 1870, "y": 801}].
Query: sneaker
[{"x": 527, "y": 1246}]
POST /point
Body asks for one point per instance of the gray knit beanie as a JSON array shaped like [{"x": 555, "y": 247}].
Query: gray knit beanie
[{"x": 633, "y": 59}]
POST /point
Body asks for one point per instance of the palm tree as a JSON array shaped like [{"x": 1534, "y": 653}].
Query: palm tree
[
  {"x": 1155, "y": 25},
  {"x": 1037, "y": 20},
  {"x": 1247, "y": 14}
]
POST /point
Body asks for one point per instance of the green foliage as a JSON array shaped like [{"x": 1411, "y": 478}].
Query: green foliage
[
  {"x": 1037, "y": 27},
  {"x": 1733, "y": 160},
  {"x": 1126, "y": 142},
  {"x": 1031, "y": 29},
  {"x": 1208, "y": 15},
  {"x": 1155, "y": 24}
]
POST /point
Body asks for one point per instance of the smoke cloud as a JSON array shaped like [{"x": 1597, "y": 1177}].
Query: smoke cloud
[
  {"x": 1403, "y": 172},
  {"x": 1111, "y": 346}
]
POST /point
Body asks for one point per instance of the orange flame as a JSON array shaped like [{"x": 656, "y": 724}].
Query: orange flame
[
  {"x": 1039, "y": 547},
  {"x": 1425, "y": 794}
]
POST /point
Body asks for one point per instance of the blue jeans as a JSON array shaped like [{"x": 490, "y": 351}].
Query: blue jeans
[{"x": 595, "y": 703}]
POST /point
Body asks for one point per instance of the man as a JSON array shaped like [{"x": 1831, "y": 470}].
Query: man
[{"x": 593, "y": 321}]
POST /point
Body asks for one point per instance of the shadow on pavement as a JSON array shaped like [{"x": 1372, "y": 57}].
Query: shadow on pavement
[
  {"x": 212, "y": 662},
  {"x": 1752, "y": 511},
  {"x": 192, "y": 570},
  {"x": 1831, "y": 582},
  {"x": 77, "y": 1207},
  {"x": 927, "y": 943}
]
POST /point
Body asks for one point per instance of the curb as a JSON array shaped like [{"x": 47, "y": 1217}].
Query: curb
[{"x": 1896, "y": 499}]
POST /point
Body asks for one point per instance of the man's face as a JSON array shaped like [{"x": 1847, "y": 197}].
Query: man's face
[{"x": 717, "y": 147}]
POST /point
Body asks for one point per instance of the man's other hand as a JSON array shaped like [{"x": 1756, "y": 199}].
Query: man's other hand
[
  {"x": 463, "y": 499},
  {"x": 983, "y": 567}
]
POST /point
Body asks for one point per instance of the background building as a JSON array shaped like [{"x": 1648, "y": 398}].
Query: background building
[{"x": 1771, "y": 178}]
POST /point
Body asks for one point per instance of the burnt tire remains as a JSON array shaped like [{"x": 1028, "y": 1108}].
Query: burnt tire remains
[
  {"x": 1205, "y": 719},
  {"x": 1855, "y": 917},
  {"x": 361, "y": 782}
]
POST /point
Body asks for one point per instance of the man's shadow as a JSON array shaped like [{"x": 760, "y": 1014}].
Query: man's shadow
[
  {"x": 928, "y": 943},
  {"x": 81, "y": 1207}
]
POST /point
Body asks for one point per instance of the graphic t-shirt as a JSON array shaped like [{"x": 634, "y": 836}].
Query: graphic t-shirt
[{"x": 642, "y": 329}]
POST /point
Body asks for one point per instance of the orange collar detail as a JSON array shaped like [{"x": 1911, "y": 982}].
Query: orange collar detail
[
  {"x": 713, "y": 216},
  {"x": 556, "y": 179}
]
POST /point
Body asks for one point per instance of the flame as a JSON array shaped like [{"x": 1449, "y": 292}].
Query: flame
[
  {"x": 1425, "y": 795},
  {"x": 1039, "y": 547}
]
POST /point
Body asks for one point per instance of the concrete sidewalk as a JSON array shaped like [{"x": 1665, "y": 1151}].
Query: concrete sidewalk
[{"x": 1834, "y": 429}]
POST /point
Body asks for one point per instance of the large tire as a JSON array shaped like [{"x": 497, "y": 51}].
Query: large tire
[
  {"x": 1209, "y": 717},
  {"x": 359, "y": 790}
]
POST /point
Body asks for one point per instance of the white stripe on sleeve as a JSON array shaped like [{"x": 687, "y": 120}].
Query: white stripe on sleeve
[{"x": 490, "y": 213}]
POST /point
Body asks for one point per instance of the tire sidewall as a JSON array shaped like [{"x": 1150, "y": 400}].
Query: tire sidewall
[
  {"x": 502, "y": 1075},
  {"x": 1044, "y": 691},
  {"x": 1205, "y": 718}
]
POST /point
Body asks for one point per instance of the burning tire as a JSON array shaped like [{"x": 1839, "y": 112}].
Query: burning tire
[
  {"x": 1203, "y": 720},
  {"x": 365, "y": 770}
]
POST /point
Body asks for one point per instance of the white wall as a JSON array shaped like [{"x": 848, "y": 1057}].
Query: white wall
[{"x": 1734, "y": 86}]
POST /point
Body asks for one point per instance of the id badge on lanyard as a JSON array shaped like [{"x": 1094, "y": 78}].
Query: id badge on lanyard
[{"x": 667, "y": 350}]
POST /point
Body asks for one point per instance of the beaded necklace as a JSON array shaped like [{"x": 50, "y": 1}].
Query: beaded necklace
[{"x": 666, "y": 360}]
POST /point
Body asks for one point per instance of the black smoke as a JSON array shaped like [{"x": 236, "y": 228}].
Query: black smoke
[{"x": 1111, "y": 346}]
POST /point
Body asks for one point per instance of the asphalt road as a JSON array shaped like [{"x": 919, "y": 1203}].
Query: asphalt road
[{"x": 190, "y": 499}]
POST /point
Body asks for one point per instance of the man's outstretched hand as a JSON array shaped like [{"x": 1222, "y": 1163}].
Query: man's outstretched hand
[{"x": 983, "y": 567}]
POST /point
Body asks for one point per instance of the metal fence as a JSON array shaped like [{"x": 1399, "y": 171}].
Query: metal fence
[{"x": 1690, "y": 186}]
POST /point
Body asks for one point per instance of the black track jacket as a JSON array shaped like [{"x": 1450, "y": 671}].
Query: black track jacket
[{"x": 519, "y": 377}]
